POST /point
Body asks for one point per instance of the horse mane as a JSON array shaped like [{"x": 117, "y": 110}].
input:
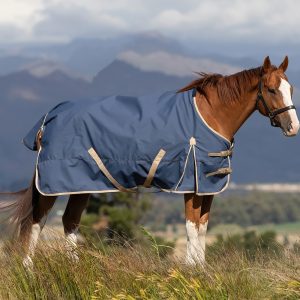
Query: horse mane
[{"x": 229, "y": 88}]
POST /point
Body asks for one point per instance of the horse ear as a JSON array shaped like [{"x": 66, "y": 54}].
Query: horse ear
[
  {"x": 284, "y": 64},
  {"x": 267, "y": 64}
]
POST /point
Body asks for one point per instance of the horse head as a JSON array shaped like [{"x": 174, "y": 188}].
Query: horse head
[{"x": 274, "y": 97}]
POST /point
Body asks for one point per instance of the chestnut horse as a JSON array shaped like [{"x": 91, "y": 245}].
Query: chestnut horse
[{"x": 225, "y": 102}]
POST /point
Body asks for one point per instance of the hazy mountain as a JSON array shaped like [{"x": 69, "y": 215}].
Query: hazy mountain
[
  {"x": 23, "y": 86},
  {"x": 11, "y": 63},
  {"x": 122, "y": 78},
  {"x": 88, "y": 56}
]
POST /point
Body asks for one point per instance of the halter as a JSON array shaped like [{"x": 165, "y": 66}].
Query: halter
[{"x": 270, "y": 114}]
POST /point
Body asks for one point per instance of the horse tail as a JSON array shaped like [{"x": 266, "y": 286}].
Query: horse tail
[{"x": 16, "y": 211}]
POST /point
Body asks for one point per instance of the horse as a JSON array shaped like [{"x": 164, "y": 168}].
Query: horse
[{"x": 221, "y": 103}]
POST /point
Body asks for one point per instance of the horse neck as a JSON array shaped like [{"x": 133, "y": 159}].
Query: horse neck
[{"x": 227, "y": 117}]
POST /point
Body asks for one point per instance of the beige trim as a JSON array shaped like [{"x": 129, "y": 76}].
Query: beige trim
[
  {"x": 102, "y": 167},
  {"x": 154, "y": 167},
  {"x": 214, "y": 131},
  {"x": 184, "y": 168},
  {"x": 202, "y": 194},
  {"x": 192, "y": 147},
  {"x": 228, "y": 157},
  {"x": 196, "y": 168},
  {"x": 66, "y": 193},
  {"x": 224, "y": 187},
  {"x": 117, "y": 191}
]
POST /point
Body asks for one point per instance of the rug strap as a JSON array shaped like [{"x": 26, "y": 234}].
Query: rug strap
[
  {"x": 154, "y": 167},
  {"x": 221, "y": 171},
  {"x": 220, "y": 154},
  {"x": 104, "y": 170},
  {"x": 39, "y": 135}
]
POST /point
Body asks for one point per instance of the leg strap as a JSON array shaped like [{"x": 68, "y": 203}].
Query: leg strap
[
  {"x": 104, "y": 170},
  {"x": 154, "y": 167}
]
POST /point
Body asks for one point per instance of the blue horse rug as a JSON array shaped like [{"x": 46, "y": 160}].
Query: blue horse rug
[{"x": 118, "y": 143}]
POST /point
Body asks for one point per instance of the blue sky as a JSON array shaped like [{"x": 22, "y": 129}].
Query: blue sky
[{"x": 275, "y": 22}]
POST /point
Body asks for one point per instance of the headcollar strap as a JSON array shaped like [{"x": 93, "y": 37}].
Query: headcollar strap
[{"x": 270, "y": 114}]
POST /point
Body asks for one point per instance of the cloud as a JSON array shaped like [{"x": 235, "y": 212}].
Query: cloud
[
  {"x": 24, "y": 94},
  {"x": 173, "y": 64},
  {"x": 19, "y": 13},
  {"x": 61, "y": 21},
  {"x": 17, "y": 19},
  {"x": 41, "y": 68},
  {"x": 266, "y": 21},
  {"x": 236, "y": 19},
  {"x": 10, "y": 33}
]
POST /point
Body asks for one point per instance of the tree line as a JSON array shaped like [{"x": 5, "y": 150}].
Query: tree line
[{"x": 242, "y": 208}]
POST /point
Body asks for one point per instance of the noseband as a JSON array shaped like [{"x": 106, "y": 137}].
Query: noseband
[{"x": 274, "y": 113}]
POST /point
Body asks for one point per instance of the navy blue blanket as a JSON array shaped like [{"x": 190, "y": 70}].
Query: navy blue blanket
[{"x": 119, "y": 143}]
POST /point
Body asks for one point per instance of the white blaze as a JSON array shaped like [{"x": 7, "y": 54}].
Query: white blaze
[{"x": 285, "y": 89}]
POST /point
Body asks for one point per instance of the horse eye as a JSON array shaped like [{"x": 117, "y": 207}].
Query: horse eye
[{"x": 272, "y": 91}]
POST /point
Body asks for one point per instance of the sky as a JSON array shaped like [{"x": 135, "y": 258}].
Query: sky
[{"x": 262, "y": 21}]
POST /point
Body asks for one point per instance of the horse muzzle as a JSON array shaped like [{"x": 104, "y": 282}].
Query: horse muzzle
[{"x": 291, "y": 129}]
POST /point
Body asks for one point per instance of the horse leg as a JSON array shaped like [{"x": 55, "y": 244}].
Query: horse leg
[
  {"x": 197, "y": 210},
  {"x": 71, "y": 219},
  {"x": 41, "y": 207},
  {"x": 203, "y": 220}
]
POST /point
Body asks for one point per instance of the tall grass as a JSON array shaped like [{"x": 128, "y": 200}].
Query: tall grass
[{"x": 134, "y": 272}]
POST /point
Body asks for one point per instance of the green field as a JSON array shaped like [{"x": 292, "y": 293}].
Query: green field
[{"x": 285, "y": 228}]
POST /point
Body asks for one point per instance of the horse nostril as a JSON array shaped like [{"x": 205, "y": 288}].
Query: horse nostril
[{"x": 290, "y": 127}]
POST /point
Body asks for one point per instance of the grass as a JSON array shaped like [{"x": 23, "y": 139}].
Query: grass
[{"x": 111, "y": 272}]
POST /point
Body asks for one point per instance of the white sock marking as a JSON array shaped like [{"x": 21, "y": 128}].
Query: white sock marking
[
  {"x": 34, "y": 235},
  {"x": 71, "y": 246},
  {"x": 201, "y": 236},
  {"x": 35, "y": 232},
  {"x": 72, "y": 238},
  {"x": 195, "y": 242}
]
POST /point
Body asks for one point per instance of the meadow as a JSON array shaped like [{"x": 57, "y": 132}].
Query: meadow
[
  {"x": 138, "y": 272},
  {"x": 245, "y": 260}
]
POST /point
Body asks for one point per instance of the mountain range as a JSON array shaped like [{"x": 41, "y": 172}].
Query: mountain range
[{"x": 37, "y": 77}]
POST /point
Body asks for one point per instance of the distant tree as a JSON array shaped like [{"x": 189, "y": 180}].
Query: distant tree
[
  {"x": 255, "y": 208},
  {"x": 250, "y": 242},
  {"x": 115, "y": 216}
]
